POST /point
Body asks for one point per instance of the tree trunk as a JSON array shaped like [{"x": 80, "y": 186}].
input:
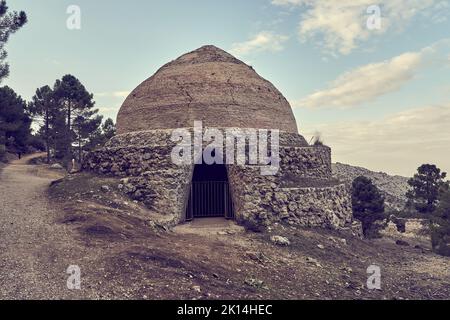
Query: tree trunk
[
  {"x": 79, "y": 145},
  {"x": 47, "y": 135},
  {"x": 69, "y": 138}
]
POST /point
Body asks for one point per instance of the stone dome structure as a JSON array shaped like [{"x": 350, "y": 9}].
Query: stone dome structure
[{"x": 210, "y": 85}]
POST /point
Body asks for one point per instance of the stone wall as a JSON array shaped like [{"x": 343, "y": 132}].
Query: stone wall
[
  {"x": 143, "y": 161},
  {"x": 262, "y": 201},
  {"x": 413, "y": 228},
  {"x": 308, "y": 162}
]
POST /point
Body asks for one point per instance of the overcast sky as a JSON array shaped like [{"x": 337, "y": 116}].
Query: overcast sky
[{"x": 380, "y": 97}]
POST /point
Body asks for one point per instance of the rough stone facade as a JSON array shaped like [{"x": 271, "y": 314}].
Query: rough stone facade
[
  {"x": 408, "y": 228},
  {"x": 143, "y": 161},
  {"x": 211, "y": 86}
]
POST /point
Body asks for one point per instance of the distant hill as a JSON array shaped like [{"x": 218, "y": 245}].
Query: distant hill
[{"x": 393, "y": 187}]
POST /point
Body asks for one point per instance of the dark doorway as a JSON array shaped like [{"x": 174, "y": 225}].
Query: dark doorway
[{"x": 210, "y": 193}]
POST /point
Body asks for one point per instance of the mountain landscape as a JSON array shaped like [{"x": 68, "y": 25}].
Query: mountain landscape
[{"x": 393, "y": 187}]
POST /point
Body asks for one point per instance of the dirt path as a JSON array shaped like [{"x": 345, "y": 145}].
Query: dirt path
[{"x": 27, "y": 237}]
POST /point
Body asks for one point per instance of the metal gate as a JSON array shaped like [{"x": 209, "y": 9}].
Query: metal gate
[{"x": 209, "y": 199}]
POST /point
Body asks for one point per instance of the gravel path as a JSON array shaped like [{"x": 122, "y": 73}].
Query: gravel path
[{"x": 29, "y": 266}]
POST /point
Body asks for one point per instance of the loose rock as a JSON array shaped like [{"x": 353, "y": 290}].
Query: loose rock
[{"x": 280, "y": 241}]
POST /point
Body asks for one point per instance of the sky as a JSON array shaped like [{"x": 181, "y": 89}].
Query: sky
[{"x": 371, "y": 78}]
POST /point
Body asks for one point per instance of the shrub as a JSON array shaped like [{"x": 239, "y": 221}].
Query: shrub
[
  {"x": 368, "y": 205},
  {"x": 425, "y": 187},
  {"x": 440, "y": 224},
  {"x": 440, "y": 239},
  {"x": 318, "y": 143},
  {"x": 2, "y": 153},
  {"x": 36, "y": 143}
]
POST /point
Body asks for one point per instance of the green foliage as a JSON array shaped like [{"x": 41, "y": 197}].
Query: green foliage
[
  {"x": 440, "y": 239},
  {"x": 367, "y": 203},
  {"x": 73, "y": 98},
  {"x": 317, "y": 141},
  {"x": 443, "y": 209},
  {"x": 44, "y": 110},
  {"x": 440, "y": 221},
  {"x": 14, "y": 121},
  {"x": 67, "y": 117},
  {"x": 101, "y": 135},
  {"x": 10, "y": 22},
  {"x": 2, "y": 152},
  {"x": 37, "y": 143},
  {"x": 437, "y": 221},
  {"x": 109, "y": 129},
  {"x": 85, "y": 125},
  {"x": 425, "y": 186}
]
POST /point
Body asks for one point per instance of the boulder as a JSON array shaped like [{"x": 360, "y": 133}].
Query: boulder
[
  {"x": 280, "y": 241},
  {"x": 56, "y": 166}
]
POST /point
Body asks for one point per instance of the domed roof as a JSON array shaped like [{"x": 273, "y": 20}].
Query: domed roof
[{"x": 208, "y": 85}]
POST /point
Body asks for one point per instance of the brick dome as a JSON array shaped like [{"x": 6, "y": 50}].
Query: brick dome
[{"x": 210, "y": 85}]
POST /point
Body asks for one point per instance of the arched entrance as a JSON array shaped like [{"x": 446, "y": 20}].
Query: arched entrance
[{"x": 210, "y": 194}]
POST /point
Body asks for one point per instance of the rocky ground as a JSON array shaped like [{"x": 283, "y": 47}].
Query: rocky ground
[
  {"x": 394, "y": 188},
  {"x": 84, "y": 220}
]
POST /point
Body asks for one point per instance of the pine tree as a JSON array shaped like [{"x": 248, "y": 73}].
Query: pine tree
[
  {"x": 85, "y": 125},
  {"x": 44, "y": 110},
  {"x": 109, "y": 129},
  {"x": 10, "y": 22},
  {"x": 425, "y": 187},
  {"x": 14, "y": 122},
  {"x": 100, "y": 136},
  {"x": 367, "y": 203},
  {"x": 72, "y": 97}
]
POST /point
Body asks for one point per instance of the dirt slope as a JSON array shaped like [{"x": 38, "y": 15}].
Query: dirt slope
[{"x": 123, "y": 255}]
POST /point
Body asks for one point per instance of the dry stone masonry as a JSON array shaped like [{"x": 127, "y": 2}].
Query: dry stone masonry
[{"x": 211, "y": 86}]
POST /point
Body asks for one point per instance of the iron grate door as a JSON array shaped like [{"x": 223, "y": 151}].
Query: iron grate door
[{"x": 209, "y": 199}]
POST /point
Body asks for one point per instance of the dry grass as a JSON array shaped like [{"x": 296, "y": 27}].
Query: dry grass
[{"x": 132, "y": 258}]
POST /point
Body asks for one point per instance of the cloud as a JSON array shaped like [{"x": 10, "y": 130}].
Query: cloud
[
  {"x": 366, "y": 83},
  {"x": 288, "y": 2},
  {"x": 109, "y": 111},
  {"x": 263, "y": 41},
  {"x": 398, "y": 143},
  {"x": 104, "y": 109},
  {"x": 115, "y": 94},
  {"x": 340, "y": 26},
  {"x": 121, "y": 94}
]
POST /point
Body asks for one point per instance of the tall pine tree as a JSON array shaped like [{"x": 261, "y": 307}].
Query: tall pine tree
[
  {"x": 44, "y": 110},
  {"x": 14, "y": 122},
  {"x": 10, "y": 22},
  {"x": 367, "y": 203},
  {"x": 67, "y": 118},
  {"x": 425, "y": 187},
  {"x": 75, "y": 100},
  {"x": 85, "y": 124}
]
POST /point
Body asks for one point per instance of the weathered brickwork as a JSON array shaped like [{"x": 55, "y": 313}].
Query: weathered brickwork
[{"x": 211, "y": 86}]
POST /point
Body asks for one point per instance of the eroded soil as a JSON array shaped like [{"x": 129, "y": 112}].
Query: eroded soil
[{"x": 122, "y": 254}]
